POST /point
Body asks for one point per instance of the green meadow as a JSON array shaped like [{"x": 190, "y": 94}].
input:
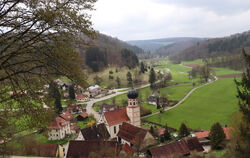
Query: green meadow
[{"x": 212, "y": 103}]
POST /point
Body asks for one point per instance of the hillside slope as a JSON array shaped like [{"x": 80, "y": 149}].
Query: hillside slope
[
  {"x": 154, "y": 44},
  {"x": 111, "y": 48},
  {"x": 216, "y": 47},
  {"x": 178, "y": 47}
]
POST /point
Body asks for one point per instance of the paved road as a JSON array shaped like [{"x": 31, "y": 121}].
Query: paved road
[
  {"x": 90, "y": 103},
  {"x": 183, "y": 99}
]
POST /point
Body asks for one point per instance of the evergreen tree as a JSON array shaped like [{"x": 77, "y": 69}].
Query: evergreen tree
[
  {"x": 129, "y": 79},
  {"x": 183, "y": 131},
  {"x": 241, "y": 139},
  {"x": 72, "y": 92},
  {"x": 142, "y": 67},
  {"x": 54, "y": 93},
  {"x": 151, "y": 130},
  {"x": 118, "y": 81},
  {"x": 152, "y": 77},
  {"x": 58, "y": 104},
  {"x": 162, "y": 139},
  {"x": 216, "y": 136},
  {"x": 167, "y": 135}
]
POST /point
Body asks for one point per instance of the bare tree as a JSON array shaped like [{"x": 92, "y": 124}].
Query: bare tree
[{"x": 37, "y": 44}]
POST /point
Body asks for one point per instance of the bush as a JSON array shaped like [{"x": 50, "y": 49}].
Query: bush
[{"x": 145, "y": 111}]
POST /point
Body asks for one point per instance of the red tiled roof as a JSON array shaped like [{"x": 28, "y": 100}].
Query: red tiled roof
[
  {"x": 178, "y": 147},
  {"x": 116, "y": 116},
  {"x": 67, "y": 116},
  {"x": 131, "y": 133},
  {"x": 128, "y": 149},
  {"x": 58, "y": 123},
  {"x": 73, "y": 127},
  {"x": 205, "y": 134},
  {"x": 227, "y": 132},
  {"x": 84, "y": 114},
  {"x": 82, "y": 149},
  {"x": 160, "y": 131},
  {"x": 81, "y": 96},
  {"x": 44, "y": 150}
]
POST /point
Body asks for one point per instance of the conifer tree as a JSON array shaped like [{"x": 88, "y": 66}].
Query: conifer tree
[
  {"x": 216, "y": 136},
  {"x": 118, "y": 81},
  {"x": 72, "y": 92},
  {"x": 240, "y": 143},
  {"x": 167, "y": 135},
  {"x": 152, "y": 78},
  {"x": 183, "y": 131},
  {"x": 142, "y": 67},
  {"x": 129, "y": 79}
]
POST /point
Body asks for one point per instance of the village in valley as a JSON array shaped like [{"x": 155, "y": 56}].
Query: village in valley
[
  {"x": 124, "y": 79},
  {"x": 94, "y": 120}
]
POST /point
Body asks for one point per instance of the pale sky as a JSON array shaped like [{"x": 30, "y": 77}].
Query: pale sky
[{"x": 152, "y": 19}]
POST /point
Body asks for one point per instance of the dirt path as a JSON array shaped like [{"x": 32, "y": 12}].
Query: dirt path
[{"x": 183, "y": 99}]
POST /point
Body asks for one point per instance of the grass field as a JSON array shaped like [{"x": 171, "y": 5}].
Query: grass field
[
  {"x": 224, "y": 71},
  {"x": 213, "y": 103},
  {"x": 121, "y": 73},
  {"x": 198, "y": 61},
  {"x": 176, "y": 92}
]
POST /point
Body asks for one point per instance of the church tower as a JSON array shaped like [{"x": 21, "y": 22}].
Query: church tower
[{"x": 133, "y": 109}]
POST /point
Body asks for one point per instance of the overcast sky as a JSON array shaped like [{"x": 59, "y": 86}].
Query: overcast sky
[{"x": 151, "y": 19}]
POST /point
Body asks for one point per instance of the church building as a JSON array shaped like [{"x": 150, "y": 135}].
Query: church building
[{"x": 129, "y": 114}]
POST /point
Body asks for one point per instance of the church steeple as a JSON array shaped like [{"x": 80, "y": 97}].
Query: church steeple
[{"x": 133, "y": 109}]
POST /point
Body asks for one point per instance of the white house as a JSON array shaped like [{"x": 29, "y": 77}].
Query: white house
[
  {"x": 130, "y": 114},
  {"x": 58, "y": 129},
  {"x": 94, "y": 90}
]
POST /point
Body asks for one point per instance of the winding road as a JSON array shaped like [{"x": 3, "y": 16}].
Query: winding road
[
  {"x": 97, "y": 116},
  {"x": 90, "y": 103},
  {"x": 184, "y": 98}
]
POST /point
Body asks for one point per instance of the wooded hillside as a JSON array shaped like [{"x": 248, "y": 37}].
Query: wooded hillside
[
  {"x": 106, "y": 51},
  {"x": 221, "y": 52},
  {"x": 216, "y": 47}
]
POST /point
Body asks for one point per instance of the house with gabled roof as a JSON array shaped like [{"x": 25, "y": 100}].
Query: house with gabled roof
[
  {"x": 130, "y": 114},
  {"x": 81, "y": 97},
  {"x": 107, "y": 107},
  {"x": 82, "y": 117},
  {"x": 58, "y": 129},
  {"x": 136, "y": 137},
  {"x": 67, "y": 116},
  {"x": 182, "y": 147},
  {"x": 83, "y": 149},
  {"x": 203, "y": 136},
  {"x": 95, "y": 132}
]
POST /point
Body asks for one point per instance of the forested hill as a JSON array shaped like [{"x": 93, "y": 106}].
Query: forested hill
[
  {"x": 154, "y": 44},
  {"x": 178, "y": 47},
  {"x": 106, "y": 51},
  {"x": 216, "y": 47}
]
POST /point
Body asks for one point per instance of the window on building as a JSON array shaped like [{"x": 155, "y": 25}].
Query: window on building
[
  {"x": 134, "y": 103},
  {"x": 115, "y": 129}
]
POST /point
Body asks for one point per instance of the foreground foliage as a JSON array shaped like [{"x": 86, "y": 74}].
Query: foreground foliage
[{"x": 37, "y": 43}]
